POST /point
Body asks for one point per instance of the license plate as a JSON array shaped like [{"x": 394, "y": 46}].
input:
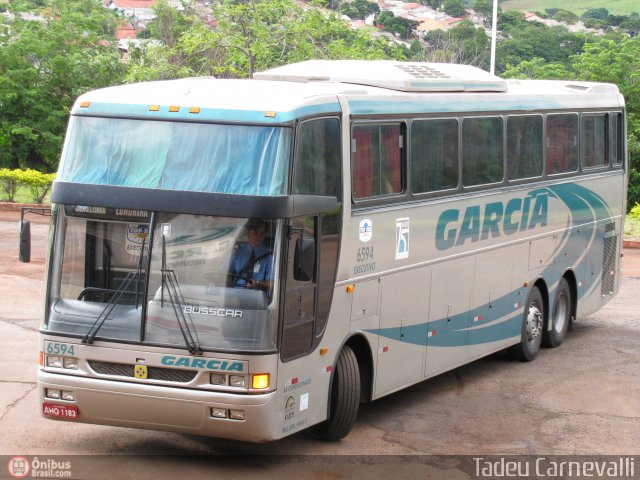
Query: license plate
[{"x": 66, "y": 411}]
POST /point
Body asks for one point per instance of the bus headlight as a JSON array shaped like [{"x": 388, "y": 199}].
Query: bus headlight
[
  {"x": 218, "y": 379},
  {"x": 68, "y": 396},
  {"x": 70, "y": 363},
  {"x": 54, "y": 361}
]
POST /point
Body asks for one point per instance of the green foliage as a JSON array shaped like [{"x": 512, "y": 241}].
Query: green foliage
[
  {"x": 484, "y": 8},
  {"x": 538, "y": 68},
  {"x": 635, "y": 211},
  {"x": 596, "y": 14},
  {"x": 9, "y": 183},
  {"x": 535, "y": 40},
  {"x": 398, "y": 25},
  {"x": 359, "y": 9},
  {"x": 249, "y": 36},
  {"x": 565, "y": 16},
  {"x": 462, "y": 44},
  {"x": 38, "y": 184},
  {"x": 44, "y": 66},
  {"x": 453, "y": 8}
]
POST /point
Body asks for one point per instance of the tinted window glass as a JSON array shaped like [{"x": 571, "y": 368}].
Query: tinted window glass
[
  {"x": 377, "y": 160},
  {"x": 482, "y": 151},
  {"x": 434, "y": 155},
  {"x": 562, "y": 143},
  {"x": 524, "y": 147},
  {"x": 615, "y": 138},
  {"x": 317, "y": 170},
  {"x": 593, "y": 137}
]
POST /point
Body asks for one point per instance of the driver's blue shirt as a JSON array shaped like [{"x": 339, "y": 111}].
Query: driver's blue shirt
[{"x": 260, "y": 271}]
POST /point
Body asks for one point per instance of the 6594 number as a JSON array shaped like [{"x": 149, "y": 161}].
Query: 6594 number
[{"x": 364, "y": 254}]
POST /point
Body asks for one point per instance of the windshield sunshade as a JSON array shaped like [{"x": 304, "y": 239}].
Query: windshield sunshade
[{"x": 236, "y": 159}]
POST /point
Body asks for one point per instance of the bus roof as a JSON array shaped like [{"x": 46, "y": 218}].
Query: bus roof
[
  {"x": 303, "y": 89},
  {"x": 402, "y": 76}
]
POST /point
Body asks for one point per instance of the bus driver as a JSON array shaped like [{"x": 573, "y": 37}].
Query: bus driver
[{"x": 251, "y": 263}]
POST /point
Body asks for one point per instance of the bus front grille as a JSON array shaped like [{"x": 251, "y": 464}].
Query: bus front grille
[{"x": 153, "y": 373}]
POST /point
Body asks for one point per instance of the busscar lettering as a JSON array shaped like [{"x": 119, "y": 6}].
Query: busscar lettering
[
  {"x": 212, "y": 311},
  {"x": 478, "y": 223}
]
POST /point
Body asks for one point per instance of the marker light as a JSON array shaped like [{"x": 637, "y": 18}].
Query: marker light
[
  {"x": 85, "y": 104},
  {"x": 174, "y": 108},
  {"x": 41, "y": 360},
  {"x": 260, "y": 381},
  {"x": 154, "y": 108},
  {"x": 237, "y": 380},
  {"x": 194, "y": 110}
]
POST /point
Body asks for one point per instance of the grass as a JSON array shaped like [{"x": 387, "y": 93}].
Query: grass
[
  {"x": 632, "y": 228},
  {"x": 618, "y": 7}
]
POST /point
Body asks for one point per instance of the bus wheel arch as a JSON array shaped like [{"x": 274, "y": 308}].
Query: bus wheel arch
[{"x": 561, "y": 314}]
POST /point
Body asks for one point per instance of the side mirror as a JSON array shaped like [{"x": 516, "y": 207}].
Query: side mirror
[
  {"x": 25, "y": 242},
  {"x": 304, "y": 263}
]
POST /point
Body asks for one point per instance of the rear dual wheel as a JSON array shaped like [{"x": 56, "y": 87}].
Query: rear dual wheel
[{"x": 560, "y": 317}]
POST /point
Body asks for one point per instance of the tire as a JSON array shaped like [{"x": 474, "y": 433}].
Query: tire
[
  {"x": 532, "y": 328},
  {"x": 344, "y": 399},
  {"x": 560, "y": 317}
]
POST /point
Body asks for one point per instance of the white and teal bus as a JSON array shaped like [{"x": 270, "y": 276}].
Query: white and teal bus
[{"x": 246, "y": 259}]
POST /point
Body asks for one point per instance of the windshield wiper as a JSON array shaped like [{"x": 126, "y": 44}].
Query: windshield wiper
[{"x": 176, "y": 298}]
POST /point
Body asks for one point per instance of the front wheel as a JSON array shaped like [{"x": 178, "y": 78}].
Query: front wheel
[
  {"x": 560, "y": 318},
  {"x": 344, "y": 400},
  {"x": 532, "y": 328}
]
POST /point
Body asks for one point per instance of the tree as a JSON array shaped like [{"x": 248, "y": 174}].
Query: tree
[
  {"x": 44, "y": 66},
  {"x": 397, "y": 25},
  {"x": 454, "y": 8},
  {"x": 359, "y": 9},
  {"x": 555, "y": 45},
  {"x": 463, "y": 44},
  {"x": 600, "y": 14},
  {"x": 484, "y": 8},
  {"x": 253, "y": 35}
]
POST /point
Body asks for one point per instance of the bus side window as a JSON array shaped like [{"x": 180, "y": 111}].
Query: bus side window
[
  {"x": 524, "y": 146},
  {"x": 615, "y": 138},
  {"x": 482, "y": 151},
  {"x": 377, "y": 160},
  {"x": 434, "y": 155},
  {"x": 562, "y": 144},
  {"x": 593, "y": 135}
]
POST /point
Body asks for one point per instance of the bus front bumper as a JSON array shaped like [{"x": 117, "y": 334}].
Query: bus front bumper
[{"x": 153, "y": 407}]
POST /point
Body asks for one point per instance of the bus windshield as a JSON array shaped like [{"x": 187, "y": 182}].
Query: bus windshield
[
  {"x": 236, "y": 159},
  {"x": 209, "y": 280}
]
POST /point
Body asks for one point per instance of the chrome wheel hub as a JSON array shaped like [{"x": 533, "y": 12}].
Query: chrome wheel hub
[{"x": 534, "y": 323}]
